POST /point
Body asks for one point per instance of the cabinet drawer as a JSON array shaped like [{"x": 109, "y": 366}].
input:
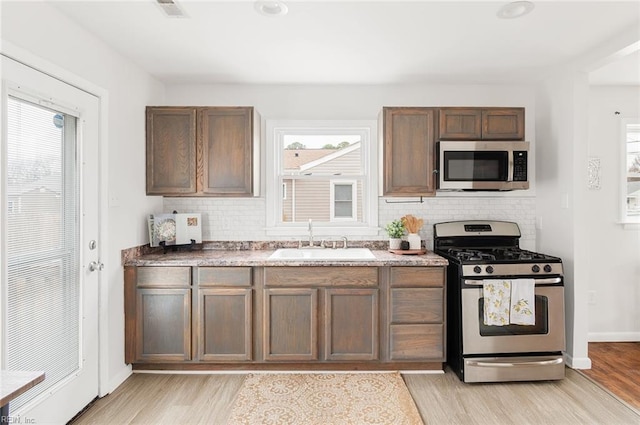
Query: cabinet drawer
[
  {"x": 224, "y": 276},
  {"x": 417, "y": 276},
  {"x": 417, "y": 342},
  {"x": 417, "y": 305},
  {"x": 163, "y": 276},
  {"x": 321, "y": 276}
]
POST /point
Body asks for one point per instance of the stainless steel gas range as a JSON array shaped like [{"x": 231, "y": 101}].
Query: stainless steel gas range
[{"x": 490, "y": 336}]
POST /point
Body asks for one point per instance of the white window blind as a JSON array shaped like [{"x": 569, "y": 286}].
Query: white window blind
[
  {"x": 43, "y": 293},
  {"x": 632, "y": 172}
]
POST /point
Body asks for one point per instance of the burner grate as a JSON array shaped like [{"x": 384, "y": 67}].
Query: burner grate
[{"x": 506, "y": 254}]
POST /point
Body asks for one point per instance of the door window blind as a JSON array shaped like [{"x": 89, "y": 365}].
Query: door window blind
[{"x": 43, "y": 291}]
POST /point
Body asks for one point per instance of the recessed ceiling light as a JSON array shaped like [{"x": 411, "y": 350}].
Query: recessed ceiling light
[
  {"x": 271, "y": 8},
  {"x": 515, "y": 9}
]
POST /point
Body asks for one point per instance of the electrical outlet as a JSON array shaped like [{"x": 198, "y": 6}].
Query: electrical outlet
[{"x": 592, "y": 297}]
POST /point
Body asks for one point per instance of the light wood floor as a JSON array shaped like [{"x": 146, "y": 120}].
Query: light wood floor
[
  {"x": 441, "y": 399},
  {"x": 616, "y": 366}
]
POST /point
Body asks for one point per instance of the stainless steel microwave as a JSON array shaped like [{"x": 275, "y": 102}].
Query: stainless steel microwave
[{"x": 483, "y": 165}]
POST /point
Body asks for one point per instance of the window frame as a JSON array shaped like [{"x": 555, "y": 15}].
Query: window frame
[
  {"x": 276, "y": 130},
  {"x": 629, "y": 221}
]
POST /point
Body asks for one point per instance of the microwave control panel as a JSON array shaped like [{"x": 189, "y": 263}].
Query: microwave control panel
[{"x": 520, "y": 166}]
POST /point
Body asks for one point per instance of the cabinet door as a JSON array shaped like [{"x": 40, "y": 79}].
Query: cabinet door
[
  {"x": 409, "y": 151},
  {"x": 351, "y": 324},
  {"x": 225, "y": 151},
  {"x": 503, "y": 124},
  {"x": 460, "y": 124},
  {"x": 224, "y": 327},
  {"x": 163, "y": 328},
  {"x": 290, "y": 324},
  {"x": 171, "y": 150}
]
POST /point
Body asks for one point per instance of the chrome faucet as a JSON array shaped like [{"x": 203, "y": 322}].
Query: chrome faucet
[
  {"x": 344, "y": 242},
  {"x": 310, "y": 233}
]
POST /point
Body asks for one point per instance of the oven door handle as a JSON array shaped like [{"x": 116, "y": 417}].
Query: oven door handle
[
  {"x": 548, "y": 281},
  {"x": 498, "y": 364}
]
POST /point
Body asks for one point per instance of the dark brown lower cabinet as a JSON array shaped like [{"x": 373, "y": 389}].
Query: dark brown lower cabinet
[
  {"x": 351, "y": 324},
  {"x": 225, "y": 323},
  {"x": 290, "y": 324},
  {"x": 280, "y": 317},
  {"x": 417, "y": 315},
  {"x": 163, "y": 330}
]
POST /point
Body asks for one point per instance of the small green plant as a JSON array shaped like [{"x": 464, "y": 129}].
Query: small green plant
[{"x": 395, "y": 229}]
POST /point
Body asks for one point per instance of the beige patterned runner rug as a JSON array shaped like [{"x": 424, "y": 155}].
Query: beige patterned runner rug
[{"x": 324, "y": 399}]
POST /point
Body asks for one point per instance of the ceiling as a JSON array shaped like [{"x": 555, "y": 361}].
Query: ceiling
[{"x": 358, "y": 42}]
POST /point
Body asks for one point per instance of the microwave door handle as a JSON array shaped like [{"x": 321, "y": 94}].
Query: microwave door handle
[{"x": 510, "y": 168}]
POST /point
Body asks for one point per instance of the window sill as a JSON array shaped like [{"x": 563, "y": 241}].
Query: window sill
[{"x": 630, "y": 225}]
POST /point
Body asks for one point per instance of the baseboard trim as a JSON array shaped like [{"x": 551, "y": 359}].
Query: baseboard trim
[
  {"x": 613, "y": 337},
  {"x": 246, "y": 372},
  {"x": 577, "y": 362},
  {"x": 116, "y": 381}
]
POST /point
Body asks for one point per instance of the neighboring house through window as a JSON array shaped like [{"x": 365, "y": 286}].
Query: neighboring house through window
[
  {"x": 343, "y": 200},
  {"x": 325, "y": 171}
]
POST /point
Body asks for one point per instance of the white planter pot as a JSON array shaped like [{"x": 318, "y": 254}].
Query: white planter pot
[
  {"x": 414, "y": 241},
  {"x": 394, "y": 243}
]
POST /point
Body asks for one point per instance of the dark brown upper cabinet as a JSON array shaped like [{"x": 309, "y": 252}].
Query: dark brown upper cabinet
[
  {"x": 409, "y": 151},
  {"x": 204, "y": 151},
  {"x": 171, "y": 151},
  {"x": 481, "y": 124}
]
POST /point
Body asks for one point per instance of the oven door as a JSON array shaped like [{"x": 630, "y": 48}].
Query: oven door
[{"x": 547, "y": 335}]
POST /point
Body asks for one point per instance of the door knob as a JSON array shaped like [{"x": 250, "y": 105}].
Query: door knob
[{"x": 95, "y": 265}]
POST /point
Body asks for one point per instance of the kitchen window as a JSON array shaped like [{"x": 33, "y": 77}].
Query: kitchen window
[
  {"x": 631, "y": 171},
  {"x": 322, "y": 171}
]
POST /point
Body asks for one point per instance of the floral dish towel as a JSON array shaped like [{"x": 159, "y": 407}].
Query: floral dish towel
[
  {"x": 497, "y": 297},
  {"x": 523, "y": 305}
]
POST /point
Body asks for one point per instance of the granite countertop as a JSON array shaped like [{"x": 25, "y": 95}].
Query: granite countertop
[{"x": 260, "y": 258}]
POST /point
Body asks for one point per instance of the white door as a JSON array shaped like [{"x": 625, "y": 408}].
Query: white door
[{"x": 50, "y": 224}]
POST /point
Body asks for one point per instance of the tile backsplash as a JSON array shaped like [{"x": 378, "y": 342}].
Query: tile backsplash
[{"x": 244, "y": 219}]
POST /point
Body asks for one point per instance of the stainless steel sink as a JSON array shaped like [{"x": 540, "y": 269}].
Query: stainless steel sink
[{"x": 326, "y": 254}]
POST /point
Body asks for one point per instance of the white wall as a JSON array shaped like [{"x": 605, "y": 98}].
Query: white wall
[
  {"x": 39, "y": 30},
  {"x": 556, "y": 207},
  {"x": 282, "y": 102},
  {"x": 613, "y": 251},
  {"x": 575, "y": 122}
]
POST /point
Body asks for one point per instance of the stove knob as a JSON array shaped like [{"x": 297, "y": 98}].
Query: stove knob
[
  {"x": 489, "y": 269},
  {"x": 477, "y": 269},
  {"x": 535, "y": 268},
  {"x": 547, "y": 268}
]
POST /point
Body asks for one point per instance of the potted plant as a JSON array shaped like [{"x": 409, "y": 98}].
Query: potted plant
[{"x": 395, "y": 230}]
